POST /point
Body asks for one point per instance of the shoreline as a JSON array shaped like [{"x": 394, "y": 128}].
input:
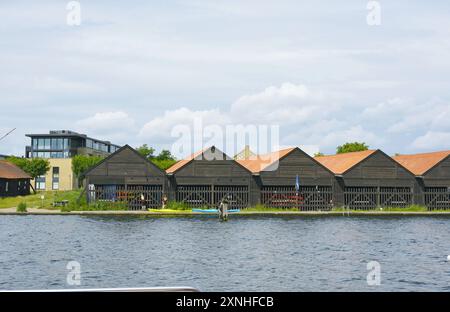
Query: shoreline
[{"x": 42, "y": 212}]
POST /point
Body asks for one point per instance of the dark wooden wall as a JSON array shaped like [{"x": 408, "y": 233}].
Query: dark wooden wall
[
  {"x": 439, "y": 176},
  {"x": 13, "y": 187},
  {"x": 220, "y": 171},
  {"x": 284, "y": 172},
  {"x": 126, "y": 167},
  {"x": 377, "y": 170}
]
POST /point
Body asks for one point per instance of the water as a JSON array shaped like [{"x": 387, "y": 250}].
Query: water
[{"x": 244, "y": 254}]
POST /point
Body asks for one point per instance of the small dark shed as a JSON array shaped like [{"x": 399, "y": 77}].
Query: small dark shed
[
  {"x": 371, "y": 179},
  {"x": 432, "y": 171},
  {"x": 291, "y": 178},
  {"x": 206, "y": 177},
  {"x": 128, "y": 177},
  {"x": 13, "y": 180}
]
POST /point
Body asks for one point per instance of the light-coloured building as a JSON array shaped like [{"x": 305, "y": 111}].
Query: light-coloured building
[
  {"x": 60, "y": 177},
  {"x": 58, "y": 147},
  {"x": 245, "y": 154}
]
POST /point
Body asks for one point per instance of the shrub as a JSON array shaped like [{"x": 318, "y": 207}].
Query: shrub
[
  {"x": 22, "y": 207},
  {"x": 174, "y": 205}
]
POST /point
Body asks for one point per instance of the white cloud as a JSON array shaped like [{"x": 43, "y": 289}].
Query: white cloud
[
  {"x": 305, "y": 117},
  {"x": 159, "y": 129},
  {"x": 116, "y": 125},
  {"x": 432, "y": 140}
]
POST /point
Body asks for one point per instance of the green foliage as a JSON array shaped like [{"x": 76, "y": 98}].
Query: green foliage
[
  {"x": 262, "y": 208},
  {"x": 318, "y": 154},
  {"x": 146, "y": 151},
  {"x": 174, "y": 205},
  {"x": 81, "y": 163},
  {"x": 411, "y": 208},
  {"x": 33, "y": 166},
  {"x": 22, "y": 207},
  {"x": 163, "y": 164},
  {"x": 97, "y": 206},
  {"x": 165, "y": 155},
  {"x": 163, "y": 160},
  {"x": 352, "y": 147}
]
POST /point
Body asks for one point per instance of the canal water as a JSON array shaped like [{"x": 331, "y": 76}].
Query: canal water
[{"x": 244, "y": 254}]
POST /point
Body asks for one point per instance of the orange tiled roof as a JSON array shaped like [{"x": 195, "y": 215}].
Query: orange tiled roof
[
  {"x": 419, "y": 164},
  {"x": 340, "y": 163},
  {"x": 260, "y": 162},
  {"x": 10, "y": 171},
  {"x": 181, "y": 163}
]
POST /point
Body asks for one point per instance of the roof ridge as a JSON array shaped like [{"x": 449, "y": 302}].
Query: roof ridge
[{"x": 347, "y": 160}]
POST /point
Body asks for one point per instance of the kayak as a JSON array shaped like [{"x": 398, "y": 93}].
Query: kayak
[
  {"x": 167, "y": 210},
  {"x": 214, "y": 210}
]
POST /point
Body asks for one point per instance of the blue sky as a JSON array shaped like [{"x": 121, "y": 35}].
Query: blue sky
[{"x": 133, "y": 70}]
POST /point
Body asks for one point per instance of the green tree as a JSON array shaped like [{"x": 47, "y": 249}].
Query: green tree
[
  {"x": 164, "y": 160},
  {"x": 165, "y": 155},
  {"x": 146, "y": 151},
  {"x": 82, "y": 163},
  {"x": 163, "y": 164},
  {"x": 32, "y": 166},
  {"x": 318, "y": 154},
  {"x": 352, "y": 147}
]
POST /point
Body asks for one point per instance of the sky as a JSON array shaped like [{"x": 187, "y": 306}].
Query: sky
[{"x": 133, "y": 71}]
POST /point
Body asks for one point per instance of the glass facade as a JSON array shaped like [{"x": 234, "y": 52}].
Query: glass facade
[{"x": 63, "y": 147}]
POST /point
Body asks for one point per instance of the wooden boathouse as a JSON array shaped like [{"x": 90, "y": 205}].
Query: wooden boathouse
[
  {"x": 371, "y": 179},
  {"x": 13, "y": 180},
  {"x": 206, "y": 177},
  {"x": 290, "y": 178},
  {"x": 432, "y": 171},
  {"x": 126, "y": 177}
]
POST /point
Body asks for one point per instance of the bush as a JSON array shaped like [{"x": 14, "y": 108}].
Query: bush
[
  {"x": 97, "y": 206},
  {"x": 174, "y": 205},
  {"x": 21, "y": 207}
]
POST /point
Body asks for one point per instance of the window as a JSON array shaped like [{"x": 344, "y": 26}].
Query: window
[
  {"x": 66, "y": 143},
  {"x": 57, "y": 144},
  {"x": 7, "y": 187},
  {"x": 41, "y": 144},
  {"x": 47, "y": 143},
  {"x": 56, "y": 155},
  {"x": 40, "y": 183},
  {"x": 89, "y": 143},
  {"x": 55, "y": 178}
]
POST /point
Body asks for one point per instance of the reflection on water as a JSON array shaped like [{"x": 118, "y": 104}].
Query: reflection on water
[{"x": 244, "y": 254}]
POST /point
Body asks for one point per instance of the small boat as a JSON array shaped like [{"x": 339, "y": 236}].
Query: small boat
[
  {"x": 169, "y": 210},
  {"x": 214, "y": 210}
]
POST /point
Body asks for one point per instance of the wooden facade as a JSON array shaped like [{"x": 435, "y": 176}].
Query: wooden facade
[
  {"x": 371, "y": 179},
  {"x": 432, "y": 171},
  {"x": 206, "y": 177},
  {"x": 13, "y": 180},
  {"x": 288, "y": 178},
  {"x": 126, "y": 177},
  {"x": 276, "y": 176}
]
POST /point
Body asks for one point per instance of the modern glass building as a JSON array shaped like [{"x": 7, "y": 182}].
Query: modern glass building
[
  {"x": 59, "y": 146},
  {"x": 66, "y": 144}
]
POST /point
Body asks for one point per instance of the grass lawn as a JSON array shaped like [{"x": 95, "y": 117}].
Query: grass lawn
[{"x": 35, "y": 201}]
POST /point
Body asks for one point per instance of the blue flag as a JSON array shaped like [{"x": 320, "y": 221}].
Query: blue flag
[{"x": 297, "y": 183}]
